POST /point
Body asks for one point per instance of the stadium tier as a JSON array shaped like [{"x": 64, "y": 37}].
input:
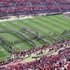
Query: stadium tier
[{"x": 27, "y": 7}]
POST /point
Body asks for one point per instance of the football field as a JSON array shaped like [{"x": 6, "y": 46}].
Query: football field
[{"x": 49, "y": 28}]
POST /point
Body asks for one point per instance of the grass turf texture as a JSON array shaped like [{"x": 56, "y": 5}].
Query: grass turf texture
[{"x": 41, "y": 24}]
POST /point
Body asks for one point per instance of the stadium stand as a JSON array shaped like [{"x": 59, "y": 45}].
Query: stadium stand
[
  {"x": 33, "y": 7},
  {"x": 60, "y": 61}
]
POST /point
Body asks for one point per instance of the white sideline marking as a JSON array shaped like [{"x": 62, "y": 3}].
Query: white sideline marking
[{"x": 12, "y": 18}]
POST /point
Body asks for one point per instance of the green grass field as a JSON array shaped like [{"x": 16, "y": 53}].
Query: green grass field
[{"x": 46, "y": 26}]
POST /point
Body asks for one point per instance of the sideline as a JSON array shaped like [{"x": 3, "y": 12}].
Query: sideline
[{"x": 15, "y": 18}]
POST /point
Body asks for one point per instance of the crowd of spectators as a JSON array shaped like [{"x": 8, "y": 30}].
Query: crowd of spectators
[
  {"x": 27, "y": 7},
  {"x": 60, "y": 61}
]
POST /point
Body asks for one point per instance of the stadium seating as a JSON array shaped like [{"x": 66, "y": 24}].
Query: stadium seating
[
  {"x": 61, "y": 61},
  {"x": 26, "y": 7}
]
